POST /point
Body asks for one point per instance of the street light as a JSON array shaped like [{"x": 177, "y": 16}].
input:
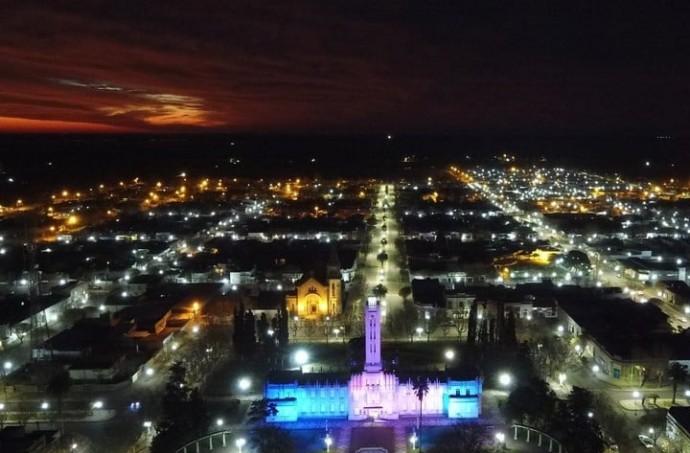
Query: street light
[
  {"x": 505, "y": 379},
  {"x": 449, "y": 354},
  {"x": 7, "y": 366},
  {"x": 219, "y": 422},
  {"x": 413, "y": 440},
  {"x": 97, "y": 404},
  {"x": 595, "y": 369},
  {"x": 500, "y": 438},
  {"x": 239, "y": 443},
  {"x": 45, "y": 405},
  {"x": 328, "y": 441},
  {"x": 244, "y": 383},
  {"x": 301, "y": 357},
  {"x": 561, "y": 378}
]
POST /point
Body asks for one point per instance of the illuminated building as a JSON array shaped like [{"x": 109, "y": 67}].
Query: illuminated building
[
  {"x": 373, "y": 393},
  {"x": 316, "y": 297}
]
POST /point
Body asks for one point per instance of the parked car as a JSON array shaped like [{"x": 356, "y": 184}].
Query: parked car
[{"x": 647, "y": 441}]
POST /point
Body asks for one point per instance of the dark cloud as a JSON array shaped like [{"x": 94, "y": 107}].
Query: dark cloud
[{"x": 345, "y": 66}]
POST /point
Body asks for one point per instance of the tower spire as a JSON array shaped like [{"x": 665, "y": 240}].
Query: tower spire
[{"x": 372, "y": 330}]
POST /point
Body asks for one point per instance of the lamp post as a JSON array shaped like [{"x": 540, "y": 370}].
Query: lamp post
[
  {"x": 501, "y": 440},
  {"x": 637, "y": 395},
  {"x": 413, "y": 441},
  {"x": 244, "y": 384},
  {"x": 505, "y": 379},
  {"x": 239, "y": 443},
  {"x": 328, "y": 441}
]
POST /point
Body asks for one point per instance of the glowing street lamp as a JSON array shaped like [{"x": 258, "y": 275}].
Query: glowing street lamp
[
  {"x": 328, "y": 440},
  {"x": 45, "y": 406},
  {"x": 301, "y": 357},
  {"x": 239, "y": 443},
  {"x": 413, "y": 440},
  {"x": 97, "y": 404},
  {"x": 449, "y": 354},
  {"x": 219, "y": 422},
  {"x": 505, "y": 379},
  {"x": 595, "y": 369},
  {"x": 561, "y": 378},
  {"x": 244, "y": 384},
  {"x": 500, "y": 438}
]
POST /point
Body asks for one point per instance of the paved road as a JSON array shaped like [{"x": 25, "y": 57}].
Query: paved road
[{"x": 390, "y": 273}]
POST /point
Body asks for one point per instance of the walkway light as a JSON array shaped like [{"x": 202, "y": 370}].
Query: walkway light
[
  {"x": 45, "y": 405},
  {"x": 449, "y": 354},
  {"x": 301, "y": 357},
  {"x": 500, "y": 438},
  {"x": 561, "y": 378},
  {"x": 239, "y": 443},
  {"x": 219, "y": 422},
  {"x": 505, "y": 379},
  {"x": 413, "y": 440},
  {"x": 244, "y": 384},
  {"x": 595, "y": 369},
  {"x": 328, "y": 441},
  {"x": 97, "y": 404}
]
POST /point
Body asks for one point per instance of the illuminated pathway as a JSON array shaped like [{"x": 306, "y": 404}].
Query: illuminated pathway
[{"x": 390, "y": 274}]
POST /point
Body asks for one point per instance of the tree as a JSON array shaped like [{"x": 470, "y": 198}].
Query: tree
[
  {"x": 184, "y": 413},
  {"x": 262, "y": 329},
  {"x": 420, "y": 387},
  {"x": 58, "y": 386},
  {"x": 462, "y": 437},
  {"x": 532, "y": 404},
  {"x": 678, "y": 374},
  {"x": 379, "y": 291},
  {"x": 576, "y": 260},
  {"x": 283, "y": 332},
  {"x": 472, "y": 325},
  {"x": 272, "y": 439},
  {"x": 576, "y": 430},
  {"x": 509, "y": 335},
  {"x": 260, "y": 409},
  {"x": 382, "y": 257},
  {"x": 405, "y": 292}
]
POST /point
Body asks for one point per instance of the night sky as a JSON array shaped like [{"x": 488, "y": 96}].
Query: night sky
[{"x": 345, "y": 67}]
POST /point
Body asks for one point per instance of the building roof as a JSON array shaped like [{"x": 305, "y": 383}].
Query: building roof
[
  {"x": 428, "y": 291},
  {"x": 681, "y": 414}
]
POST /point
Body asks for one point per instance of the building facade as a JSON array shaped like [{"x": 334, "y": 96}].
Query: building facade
[
  {"x": 317, "y": 298},
  {"x": 373, "y": 393}
]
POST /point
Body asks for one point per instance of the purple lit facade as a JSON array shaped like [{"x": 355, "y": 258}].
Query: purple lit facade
[{"x": 373, "y": 393}]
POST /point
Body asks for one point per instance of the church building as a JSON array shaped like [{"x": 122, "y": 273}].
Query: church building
[
  {"x": 373, "y": 393},
  {"x": 317, "y": 297}
]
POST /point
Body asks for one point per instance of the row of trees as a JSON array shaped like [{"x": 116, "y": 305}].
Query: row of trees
[
  {"x": 497, "y": 329},
  {"x": 249, "y": 332}
]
